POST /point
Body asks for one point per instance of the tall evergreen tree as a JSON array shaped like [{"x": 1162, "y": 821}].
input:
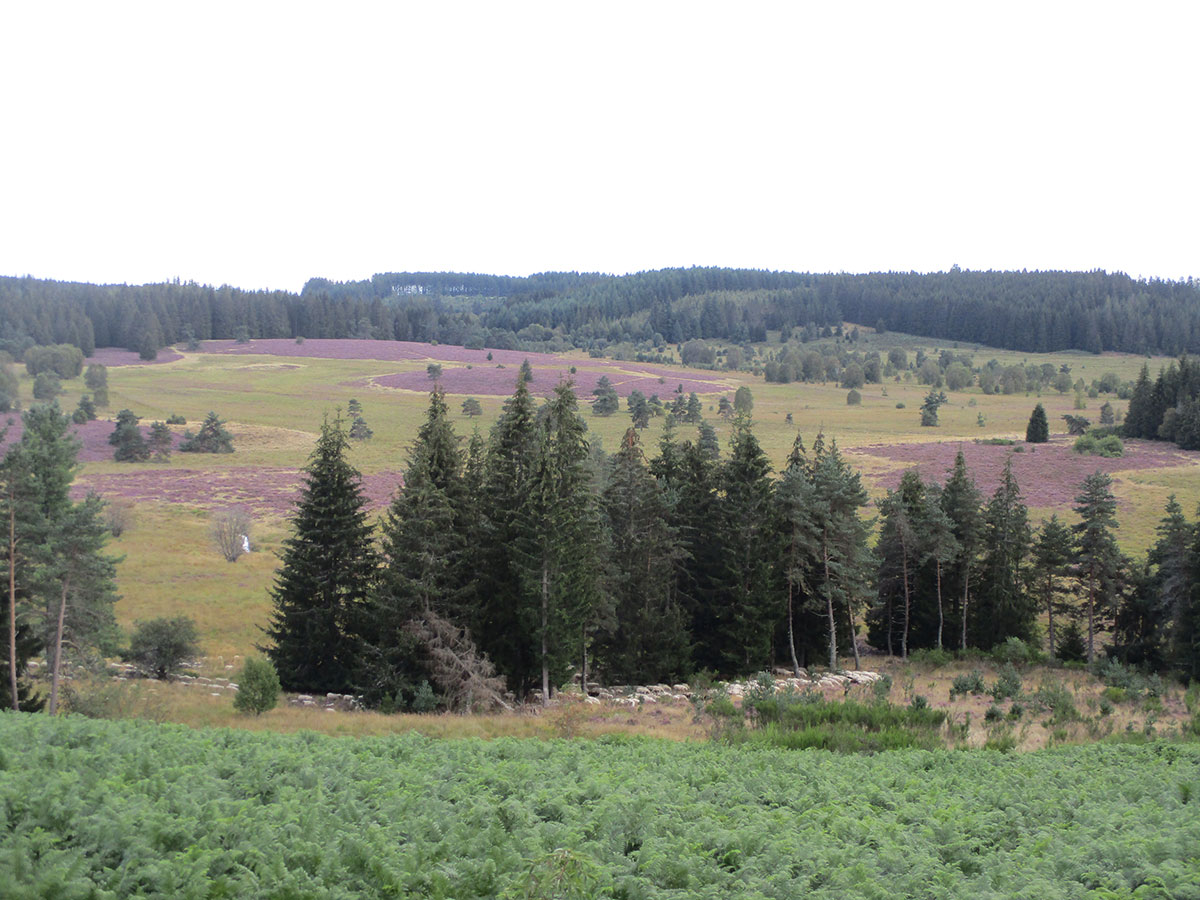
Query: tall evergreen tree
[
  {"x": 560, "y": 550},
  {"x": 128, "y": 440},
  {"x": 647, "y": 637},
  {"x": 1174, "y": 584},
  {"x": 504, "y": 476},
  {"x": 1052, "y": 552},
  {"x": 424, "y": 546},
  {"x": 899, "y": 554},
  {"x": 1003, "y": 607},
  {"x": 329, "y": 564},
  {"x": 962, "y": 503},
  {"x": 1098, "y": 561},
  {"x": 844, "y": 560},
  {"x": 749, "y": 612},
  {"x": 939, "y": 546}
]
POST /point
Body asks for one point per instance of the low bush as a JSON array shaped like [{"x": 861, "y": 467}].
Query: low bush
[
  {"x": 971, "y": 683},
  {"x": 258, "y": 687},
  {"x": 1008, "y": 683},
  {"x": 1109, "y": 446}
]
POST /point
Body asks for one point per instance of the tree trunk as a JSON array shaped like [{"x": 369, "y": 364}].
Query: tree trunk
[
  {"x": 907, "y": 606},
  {"x": 829, "y": 610},
  {"x": 1050, "y": 610},
  {"x": 941, "y": 614},
  {"x": 853, "y": 634},
  {"x": 1091, "y": 621},
  {"x": 792, "y": 632},
  {"x": 966, "y": 599},
  {"x": 545, "y": 628},
  {"x": 58, "y": 642},
  {"x": 583, "y": 654},
  {"x": 12, "y": 601}
]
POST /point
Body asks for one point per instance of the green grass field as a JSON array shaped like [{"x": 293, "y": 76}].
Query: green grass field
[{"x": 274, "y": 407}]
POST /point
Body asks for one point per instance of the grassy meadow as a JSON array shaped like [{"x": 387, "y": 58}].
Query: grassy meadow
[{"x": 274, "y": 405}]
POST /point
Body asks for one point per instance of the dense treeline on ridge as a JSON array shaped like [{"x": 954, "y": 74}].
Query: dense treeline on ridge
[{"x": 1027, "y": 311}]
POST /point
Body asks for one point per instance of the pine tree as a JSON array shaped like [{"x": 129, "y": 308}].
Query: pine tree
[
  {"x": 159, "y": 443},
  {"x": 795, "y": 503},
  {"x": 1052, "y": 551},
  {"x": 1141, "y": 421},
  {"x": 327, "y": 568},
  {"x": 899, "y": 554},
  {"x": 929, "y": 408},
  {"x": 1004, "y": 609},
  {"x": 1099, "y": 563},
  {"x": 85, "y": 411},
  {"x": 844, "y": 560},
  {"x": 639, "y": 409},
  {"x": 939, "y": 546},
  {"x": 471, "y": 408},
  {"x": 694, "y": 412},
  {"x": 646, "y": 639},
  {"x": 127, "y": 439},
  {"x": 1038, "y": 430},
  {"x": 961, "y": 502}
]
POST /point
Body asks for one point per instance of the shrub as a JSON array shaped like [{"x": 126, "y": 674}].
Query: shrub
[
  {"x": 854, "y": 398},
  {"x": 971, "y": 683},
  {"x": 932, "y": 657},
  {"x": 424, "y": 700},
  {"x": 231, "y": 532},
  {"x": 1071, "y": 647},
  {"x": 900, "y": 405},
  {"x": 161, "y": 646},
  {"x": 1016, "y": 652},
  {"x": 993, "y": 714},
  {"x": 118, "y": 515},
  {"x": 176, "y": 419},
  {"x": 85, "y": 411},
  {"x": 1008, "y": 683},
  {"x": 46, "y": 386},
  {"x": 127, "y": 439},
  {"x": 258, "y": 687},
  {"x": 1106, "y": 706},
  {"x": 1109, "y": 446}
]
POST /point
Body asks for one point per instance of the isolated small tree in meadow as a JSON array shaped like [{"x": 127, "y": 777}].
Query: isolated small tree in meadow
[
  {"x": 1038, "y": 429},
  {"x": 434, "y": 371},
  {"x": 725, "y": 409},
  {"x": 118, "y": 515},
  {"x": 85, "y": 411},
  {"x": 854, "y": 398},
  {"x": 231, "y": 532},
  {"x": 929, "y": 408},
  {"x": 258, "y": 687},
  {"x": 162, "y": 646},
  {"x": 159, "y": 442},
  {"x": 1107, "y": 417},
  {"x": 526, "y": 372},
  {"x": 211, "y": 438},
  {"x": 360, "y": 430},
  {"x": 639, "y": 409},
  {"x": 127, "y": 439},
  {"x": 471, "y": 408},
  {"x": 354, "y": 408},
  {"x": 607, "y": 402},
  {"x": 743, "y": 401}
]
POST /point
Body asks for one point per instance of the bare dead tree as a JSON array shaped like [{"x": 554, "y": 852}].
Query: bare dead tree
[
  {"x": 466, "y": 677},
  {"x": 118, "y": 515},
  {"x": 231, "y": 532}
]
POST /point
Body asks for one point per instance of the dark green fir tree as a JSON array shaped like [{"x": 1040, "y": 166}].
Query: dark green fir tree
[{"x": 328, "y": 566}]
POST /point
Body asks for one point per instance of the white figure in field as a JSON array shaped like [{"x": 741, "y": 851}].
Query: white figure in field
[{"x": 245, "y": 543}]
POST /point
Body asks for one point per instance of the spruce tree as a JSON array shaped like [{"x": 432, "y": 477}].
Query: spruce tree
[
  {"x": 503, "y": 474},
  {"x": 646, "y": 638},
  {"x": 159, "y": 443},
  {"x": 561, "y": 546},
  {"x": 795, "y": 503},
  {"x": 939, "y": 546},
  {"x": 750, "y": 610},
  {"x": 128, "y": 440},
  {"x": 899, "y": 554},
  {"x": 1052, "y": 552},
  {"x": 424, "y": 549},
  {"x": 607, "y": 402},
  {"x": 1174, "y": 559},
  {"x": 1003, "y": 607},
  {"x": 211, "y": 438},
  {"x": 1038, "y": 429},
  {"x": 1098, "y": 562},
  {"x": 328, "y": 566},
  {"x": 962, "y": 503}
]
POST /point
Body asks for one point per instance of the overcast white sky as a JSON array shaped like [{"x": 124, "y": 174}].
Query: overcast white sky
[{"x": 260, "y": 144}]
